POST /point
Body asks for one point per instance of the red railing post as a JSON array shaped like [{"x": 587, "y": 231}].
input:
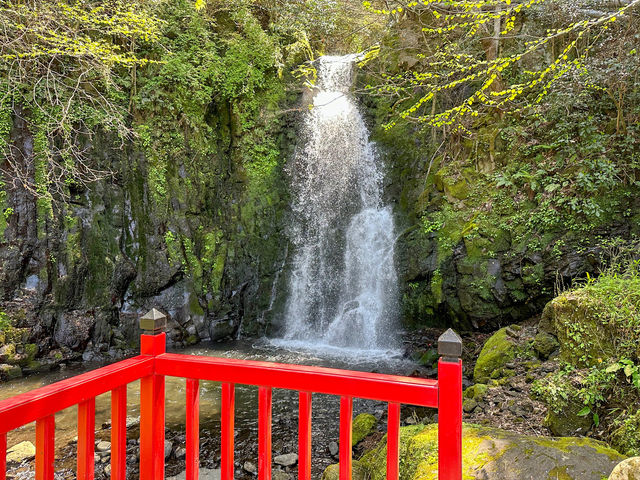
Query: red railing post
[
  {"x": 393, "y": 441},
  {"x": 193, "y": 429},
  {"x": 45, "y": 447},
  {"x": 450, "y": 407},
  {"x": 86, "y": 435},
  {"x": 227, "y": 430},
  {"x": 346, "y": 420},
  {"x": 304, "y": 436},
  {"x": 152, "y": 414},
  {"x": 119, "y": 433},
  {"x": 3, "y": 456}
]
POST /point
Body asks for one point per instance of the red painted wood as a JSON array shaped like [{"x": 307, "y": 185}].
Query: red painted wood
[
  {"x": 119, "y": 433},
  {"x": 86, "y": 436},
  {"x": 45, "y": 447},
  {"x": 152, "y": 419},
  {"x": 393, "y": 441},
  {"x": 304, "y": 436},
  {"x": 450, "y": 420},
  {"x": 193, "y": 429},
  {"x": 374, "y": 386},
  {"x": 3, "y": 456},
  {"x": 346, "y": 418},
  {"x": 153, "y": 344},
  {"x": 152, "y": 412},
  {"x": 42, "y": 402},
  {"x": 264, "y": 433},
  {"x": 227, "y": 431}
]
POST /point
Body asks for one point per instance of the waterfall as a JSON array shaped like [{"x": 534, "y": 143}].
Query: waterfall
[{"x": 343, "y": 285}]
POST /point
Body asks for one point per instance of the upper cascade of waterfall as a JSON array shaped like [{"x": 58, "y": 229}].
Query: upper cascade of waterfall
[{"x": 343, "y": 285}]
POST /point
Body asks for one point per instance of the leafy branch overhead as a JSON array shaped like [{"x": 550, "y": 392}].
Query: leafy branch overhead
[
  {"x": 485, "y": 55},
  {"x": 58, "y": 60}
]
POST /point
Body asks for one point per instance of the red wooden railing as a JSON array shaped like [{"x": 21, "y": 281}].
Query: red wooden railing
[{"x": 154, "y": 364}]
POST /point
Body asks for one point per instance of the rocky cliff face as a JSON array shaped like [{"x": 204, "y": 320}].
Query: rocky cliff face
[{"x": 206, "y": 250}]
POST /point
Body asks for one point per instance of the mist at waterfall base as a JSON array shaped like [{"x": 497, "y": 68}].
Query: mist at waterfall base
[{"x": 342, "y": 297}]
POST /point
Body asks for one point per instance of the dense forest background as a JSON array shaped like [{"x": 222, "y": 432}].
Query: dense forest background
[{"x": 145, "y": 147}]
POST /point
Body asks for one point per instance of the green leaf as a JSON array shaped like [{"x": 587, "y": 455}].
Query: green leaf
[
  {"x": 596, "y": 419},
  {"x": 584, "y": 412},
  {"x": 628, "y": 370},
  {"x": 613, "y": 368}
]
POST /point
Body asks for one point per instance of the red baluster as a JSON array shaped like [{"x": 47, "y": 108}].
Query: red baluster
[
  {"x": 152, "y": 413},
  {"x": 86, "y": 435},
  {"x": 304, "y": 436},
  {"x": 45, "y": 447},
  {"x": 450, "y": 407},
  {"x": 264, "y": 433},
  {"x": 119, "y": 433},
  {"x": 193, "y": 429},
  {"x": 346, "y": 417},
  {"x": 3, "y": 456},
  {"x": 393, "y": 437},
  {"x": 227, "y": 428}
]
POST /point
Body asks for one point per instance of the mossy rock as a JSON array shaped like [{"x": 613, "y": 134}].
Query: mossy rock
[
  {"x": 494, "y": 454},
  {"x": 476, "y": 392},
  {"x": 499, "y": 350},
  {"x": 567, "y": 421},
  {"x": 9, "y": 372},
  {"x": 596, "y": 323},
  {"x": 626, "y": 437},
  {"x": 332, "y": 472},
  {"x": 362, "y": 426},
  {"x": 545, "y": 344}
]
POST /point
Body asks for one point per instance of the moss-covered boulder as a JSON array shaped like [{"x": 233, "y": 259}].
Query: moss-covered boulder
[
  {"x": 490, "y": 453},
  {"x": 597, "y": 322},
  {"x": 362, "y": 426},
  {"x": 332, "y": 472},
  {"x": 499, "y": 350}
]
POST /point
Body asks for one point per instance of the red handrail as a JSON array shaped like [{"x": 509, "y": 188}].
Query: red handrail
[{"x": 154, "y": 364}]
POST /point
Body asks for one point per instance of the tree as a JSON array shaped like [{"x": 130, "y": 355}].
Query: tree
[
  {"x": 482, "y": 56},
  {"x": 60, "y": 69}
]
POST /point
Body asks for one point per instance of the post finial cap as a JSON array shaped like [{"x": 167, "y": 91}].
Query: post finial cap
[
  {"x": 450, "y": 345},
  {"x": 153, "y": 322}
]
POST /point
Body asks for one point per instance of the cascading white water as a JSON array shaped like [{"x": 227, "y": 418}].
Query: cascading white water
[{"x": 342, "y": 289}]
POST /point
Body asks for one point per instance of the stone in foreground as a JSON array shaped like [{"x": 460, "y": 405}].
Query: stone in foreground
[
  {"x": 20, "y": 452},
  {"x": 205, "y": 474},
  {"x": 286, "y": 460},
  {"x": 628, "y": 469},
  {"x": 494, "y": 454}
]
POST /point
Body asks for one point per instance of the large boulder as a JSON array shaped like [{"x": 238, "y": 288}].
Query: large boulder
[{"x": 494, "y": 454}]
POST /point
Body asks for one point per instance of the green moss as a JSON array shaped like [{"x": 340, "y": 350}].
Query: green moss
[
  {"x": 362, "y": 426},
  {"x": 499, "y": 350},
  {"x": 476, "y": 392},
  {"x": 566, "y": 444},
  {"x": 598, "y": 322},
  {"x": 419, "y": 454}
]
